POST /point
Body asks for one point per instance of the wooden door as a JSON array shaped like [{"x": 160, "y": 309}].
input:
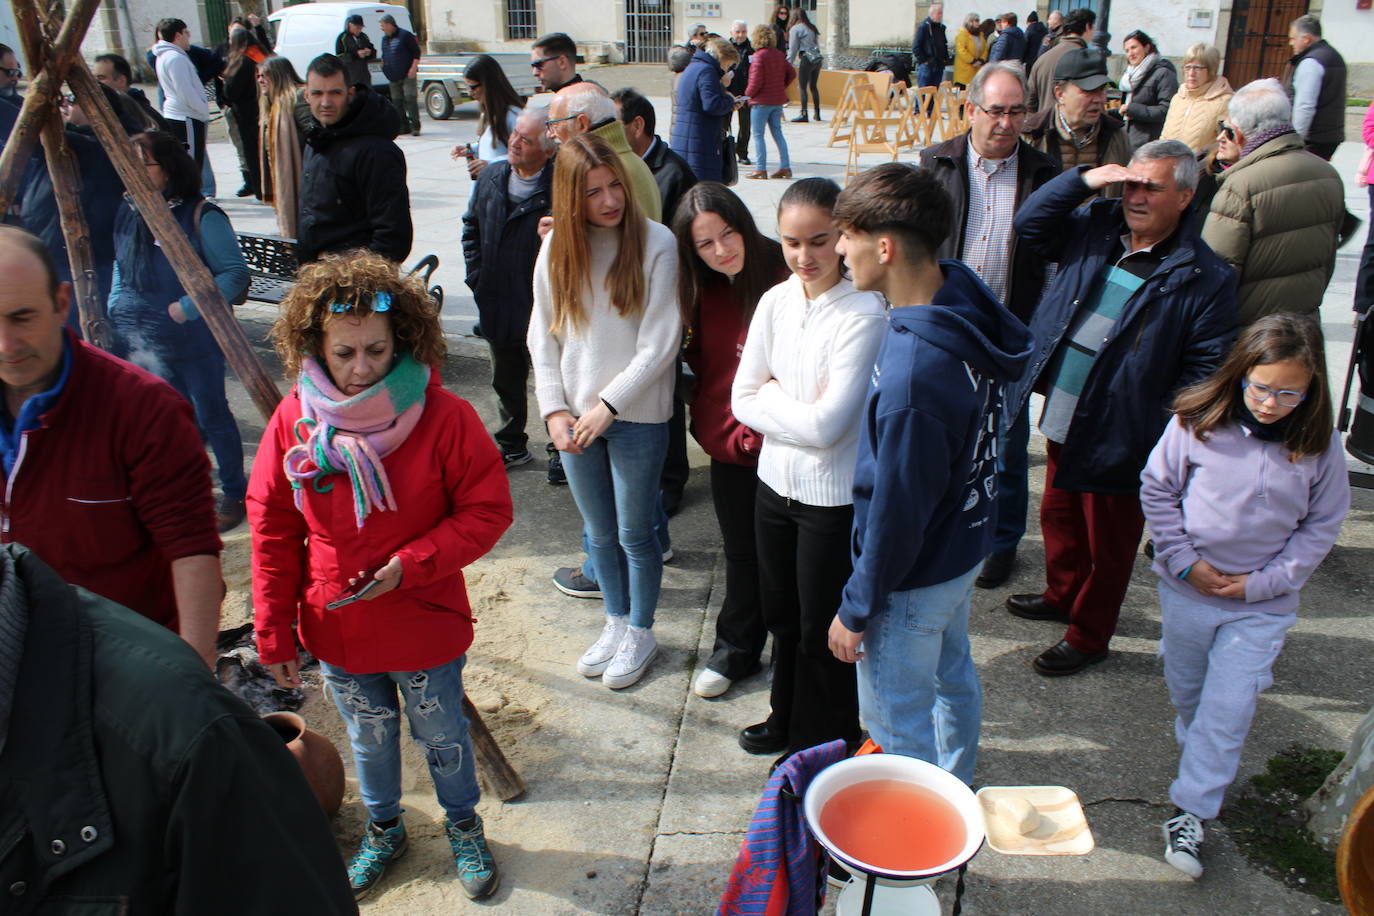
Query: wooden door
[{"x": 1257, "y": 43}]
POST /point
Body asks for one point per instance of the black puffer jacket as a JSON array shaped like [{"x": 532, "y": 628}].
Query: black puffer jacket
[
  {"x": 500, "y": 245},
  {"x": 132, "y": 782},
  {"x": 353, "y": 184},
  {"x": 1150, "y": 103}
]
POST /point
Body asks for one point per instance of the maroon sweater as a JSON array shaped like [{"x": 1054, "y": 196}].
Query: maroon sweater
[
  {"x": 769, "y": 76},
  {"x": 717, "y": 340},
  {"x": 114, "y": 485}
]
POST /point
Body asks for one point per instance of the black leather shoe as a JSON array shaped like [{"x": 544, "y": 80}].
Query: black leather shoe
[
  {"x": 1150, "y": 548},
  {"x": 1062, "y": 659},
  {"x": 996, "y": 569},
  {"x": 1035, "y": 607},
  {"x": 762, "y": 739},
  {"x": 802, "y": 119}
]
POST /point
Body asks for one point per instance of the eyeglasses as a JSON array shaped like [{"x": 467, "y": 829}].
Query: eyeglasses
[
  {"x": 548, "y": 125},
  {"x": 539, "y": 64},
  {"x": 1261, "y": 393},
  {"x": 1227, "y": 130},
  {"x": 1196, "y": 67},
  {"x": 1018, "y": 111},
  {"x": 12, "y": 72}
]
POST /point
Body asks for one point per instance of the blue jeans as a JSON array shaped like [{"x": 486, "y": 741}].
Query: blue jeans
[
  {"x": 615, "y": 483},
  {"x": 769, "y": 116},
  {"x": 201, "y": 381},
  {"x": 1013, "y": 483},
  {"x": 928, "y": 74},
  {"x": 665, "y": 541},
  {"x": 918, "y": 688},
  {"x": 434, "y": 706}
]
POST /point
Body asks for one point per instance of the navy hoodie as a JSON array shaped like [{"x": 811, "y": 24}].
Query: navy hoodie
[{"x": 926, "y": 481}]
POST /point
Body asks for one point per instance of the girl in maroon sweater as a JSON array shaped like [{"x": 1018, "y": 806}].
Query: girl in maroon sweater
[{"x": 726, "y": 266}]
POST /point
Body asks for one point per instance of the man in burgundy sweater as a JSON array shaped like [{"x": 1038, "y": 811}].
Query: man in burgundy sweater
[{"x": 104, "y": 474}]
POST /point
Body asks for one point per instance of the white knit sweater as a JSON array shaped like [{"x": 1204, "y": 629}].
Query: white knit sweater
[
  {"x": 626, "y": 361},
  {"x": 820, "y": 353}
]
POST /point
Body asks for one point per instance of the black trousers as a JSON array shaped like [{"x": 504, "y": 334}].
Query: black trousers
[
  {"x": 191, "y": 133},
  {"x": 1325, "y": 150},
  {"x": 808, "y": 78},
  {"x": 740, "y": 630},
  {"x": 510, "y": 372},
  {"x": 673, "y": 480},
  {"x": 742, "y": 134},
  {"x": 803, "y": 567},
  {"x": 1364, "y": 280}
]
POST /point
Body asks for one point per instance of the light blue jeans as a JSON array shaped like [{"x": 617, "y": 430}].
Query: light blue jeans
[
  {"x": 771, "y": 117},
  {"x": 1216, "y": 664},
  {"x": 434, "y": 706},
  {"x": 665, "y": 540},
  {"x": 918, "y": 688},
  {"x": 615, "y": 483}
]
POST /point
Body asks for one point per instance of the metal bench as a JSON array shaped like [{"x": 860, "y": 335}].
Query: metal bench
[{"x": 272, "y": 267}]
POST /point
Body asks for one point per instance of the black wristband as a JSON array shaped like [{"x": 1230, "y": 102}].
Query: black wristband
[{"x": 614, "y": 412}]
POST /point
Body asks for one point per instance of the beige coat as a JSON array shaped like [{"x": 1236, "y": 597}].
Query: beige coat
[
  {"x": 1194, "y": 113},
  {"x": 1275, "y": 219},
  {"x": 280, "y": 154}
]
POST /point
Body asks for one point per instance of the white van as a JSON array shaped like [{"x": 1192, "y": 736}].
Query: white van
[{"x": 307, "y": 30}]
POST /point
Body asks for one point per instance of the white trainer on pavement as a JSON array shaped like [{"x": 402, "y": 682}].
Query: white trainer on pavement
[
  {"x": 637, "y": 649},
  {"x": 594, "y": 661},
  {"x": 1183, "y": 843},
  {"x": 710, "y": 683}
]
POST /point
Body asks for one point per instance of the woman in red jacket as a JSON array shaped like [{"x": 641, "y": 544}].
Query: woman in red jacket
[
  {"x": 769, "y": 76},
  {"x": 370, "y": 473},
  {"x": 726, "y": 265}
]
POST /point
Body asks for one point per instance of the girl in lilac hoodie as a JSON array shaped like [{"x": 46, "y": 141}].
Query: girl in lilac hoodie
[{"x": 1245, "y": 493}]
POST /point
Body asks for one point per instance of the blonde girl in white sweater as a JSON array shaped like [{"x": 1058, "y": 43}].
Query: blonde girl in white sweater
[
  {"x": 602, "y": 338},
  {"x": 801, "y": 382}
]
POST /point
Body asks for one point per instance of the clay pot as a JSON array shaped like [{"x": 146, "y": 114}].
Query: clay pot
[{"x": 316, "y": 754}]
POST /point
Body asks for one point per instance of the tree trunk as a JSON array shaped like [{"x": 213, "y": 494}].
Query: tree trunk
[{"x": 1329, "y": 806}]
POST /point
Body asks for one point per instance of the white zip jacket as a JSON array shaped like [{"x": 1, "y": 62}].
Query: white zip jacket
[
  {"x": 802, "y": 380},
  {"x": 184, "y": 93}
]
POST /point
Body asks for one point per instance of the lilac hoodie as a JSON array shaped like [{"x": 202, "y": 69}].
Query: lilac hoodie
[{"x": 1240, "y": 504}]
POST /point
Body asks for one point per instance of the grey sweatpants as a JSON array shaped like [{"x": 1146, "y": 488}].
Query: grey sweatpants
[{"x": 1216, "y": 664}]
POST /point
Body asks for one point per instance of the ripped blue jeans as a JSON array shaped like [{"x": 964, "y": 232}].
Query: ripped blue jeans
[{"x": 434, "y": 705}]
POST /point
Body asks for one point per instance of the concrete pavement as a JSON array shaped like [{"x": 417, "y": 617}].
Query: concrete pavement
[{"x": 638, "y": 799}]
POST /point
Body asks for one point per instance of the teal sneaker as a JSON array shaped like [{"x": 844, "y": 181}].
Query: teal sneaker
[
  {"x": 378, "y": 849},
  {"x": 476, "y": 868}
]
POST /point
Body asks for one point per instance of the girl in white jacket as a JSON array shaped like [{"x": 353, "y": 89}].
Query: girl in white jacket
[{"x": 801, "y": 382}]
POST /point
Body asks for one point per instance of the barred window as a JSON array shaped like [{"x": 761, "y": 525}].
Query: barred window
[{"x": 520, "y": 24}]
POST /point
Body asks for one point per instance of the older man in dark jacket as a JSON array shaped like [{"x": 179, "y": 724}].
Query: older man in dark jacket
[
  {"x": 353, "y": 182},
  {"x": 989, "y": 173},
  {"x": 500, "y": 245},
  {"x": 1140, "y": 308},
  {"x": 130, "y": 781},
  {"x": 671, "y": 172}
]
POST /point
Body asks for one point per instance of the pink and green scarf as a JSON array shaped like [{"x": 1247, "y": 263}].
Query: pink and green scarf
[{"x": 343, "y": 435}]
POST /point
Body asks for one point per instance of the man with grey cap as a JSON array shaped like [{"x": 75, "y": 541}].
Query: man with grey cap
[
  {"x": 355, "y": 49},
  {"x": 400, "y": 60},
  {"x": 1075, "y": 129}
]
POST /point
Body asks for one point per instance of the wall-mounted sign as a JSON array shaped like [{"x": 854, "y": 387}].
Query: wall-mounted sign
[
  {"x": 703, "y": 9},
  {"x": 1199, "y": 19}
]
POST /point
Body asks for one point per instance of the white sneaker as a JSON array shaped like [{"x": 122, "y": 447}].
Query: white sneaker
[
  {"x": 710, "y": 683},
  {"x": 1183, "y": 843},
  {"x": 595, "y": 659},
  {"x": 637, "y": 649}
]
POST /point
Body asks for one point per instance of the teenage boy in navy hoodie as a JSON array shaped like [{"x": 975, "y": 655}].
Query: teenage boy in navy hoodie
[{"x": 926, "y": 480}]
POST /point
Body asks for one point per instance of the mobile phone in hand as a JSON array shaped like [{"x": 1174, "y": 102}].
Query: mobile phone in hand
[{"x": 359, "y": 590}]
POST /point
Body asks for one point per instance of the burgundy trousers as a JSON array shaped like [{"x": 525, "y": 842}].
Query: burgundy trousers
[{"x": 1090, "y": 545}]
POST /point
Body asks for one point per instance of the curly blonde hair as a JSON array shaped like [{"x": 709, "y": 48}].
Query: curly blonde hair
[{"x": 351, "y": 278}]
